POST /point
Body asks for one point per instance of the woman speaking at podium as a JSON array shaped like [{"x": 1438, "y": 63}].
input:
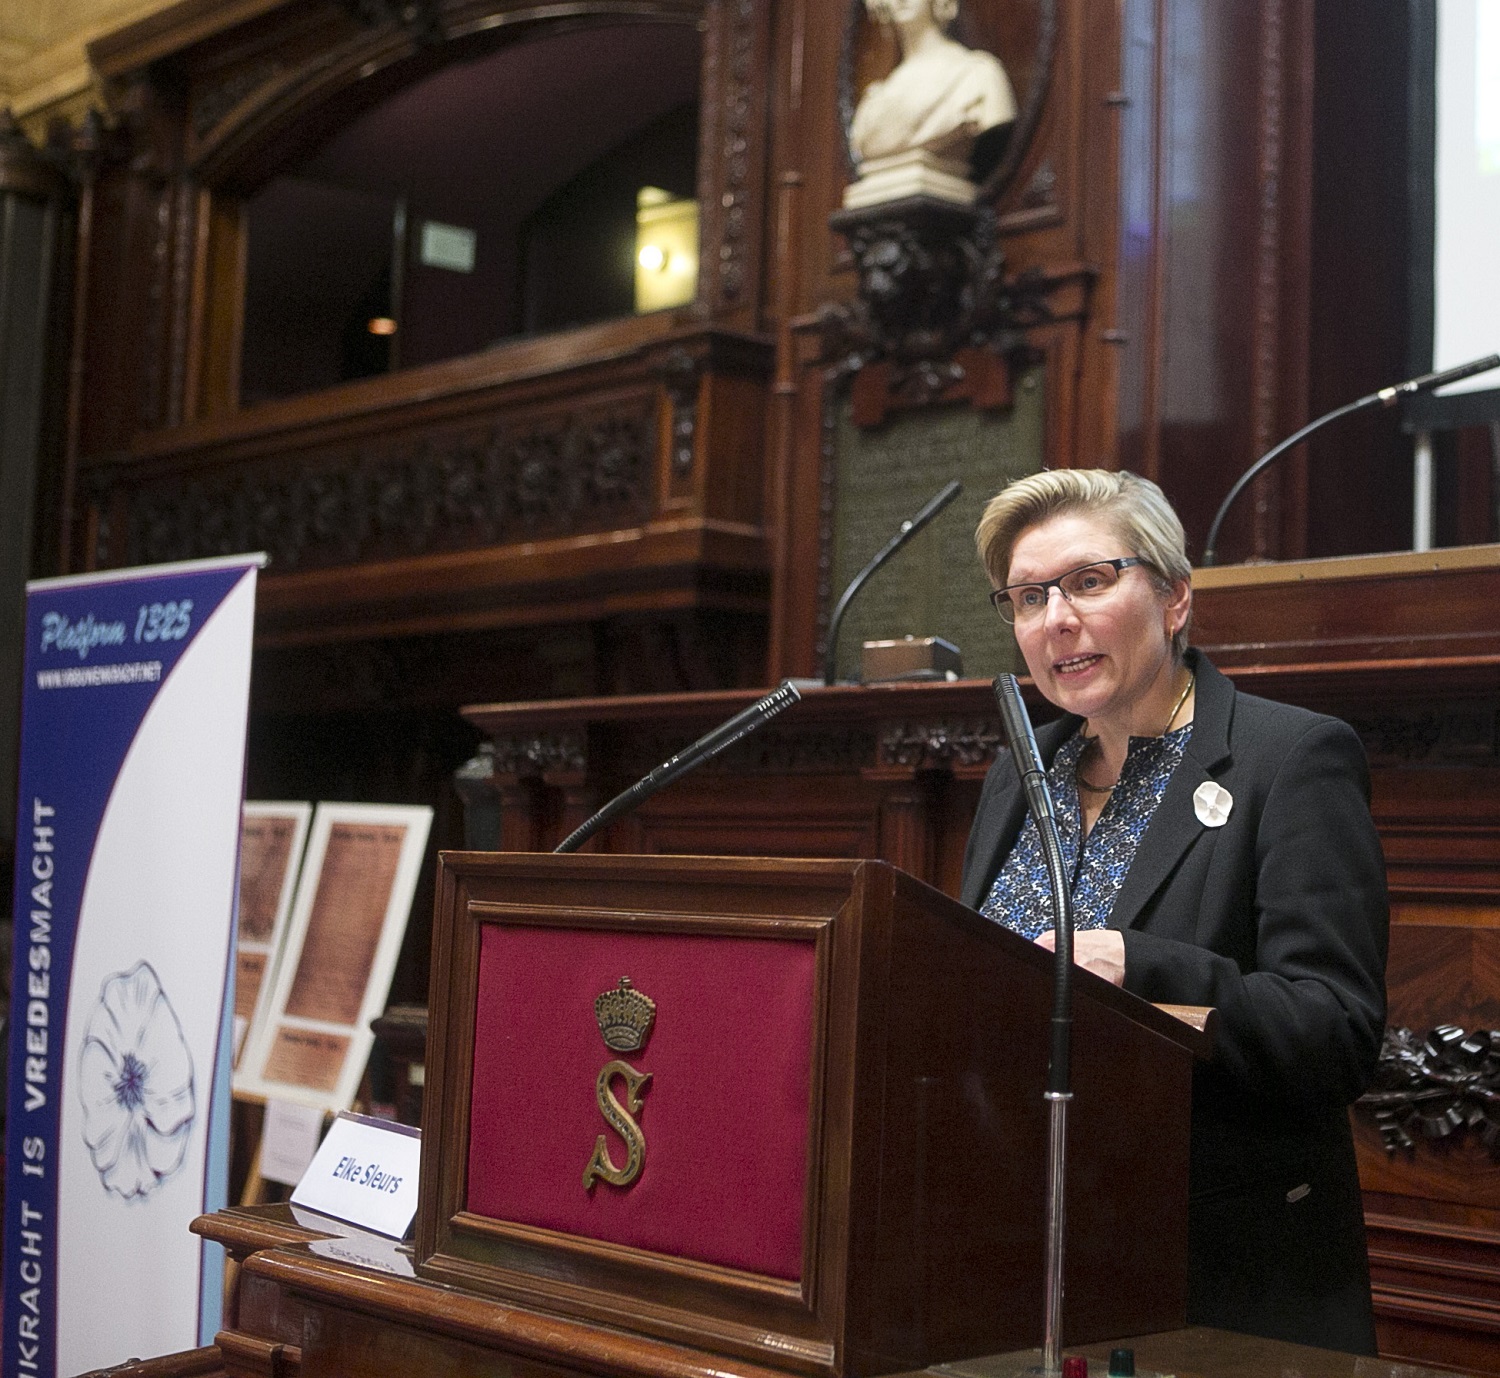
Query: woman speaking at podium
[{"x": 1221, "y": 852}]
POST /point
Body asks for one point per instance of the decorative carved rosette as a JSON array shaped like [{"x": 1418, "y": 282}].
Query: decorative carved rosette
[
  {"x": 538, "y": 753},
  {"x": 1468, "y": 733},
  {"x": 939, "y": 745},
  {"x": 1435, "y": 1088}
]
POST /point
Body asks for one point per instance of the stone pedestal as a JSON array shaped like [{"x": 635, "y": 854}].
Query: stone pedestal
[{"x": 913, "y": 173}]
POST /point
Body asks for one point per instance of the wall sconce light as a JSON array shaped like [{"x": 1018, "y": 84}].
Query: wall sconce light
[
  {"x": 381, "y": 325},
  {"x": 666, "y": 250}
]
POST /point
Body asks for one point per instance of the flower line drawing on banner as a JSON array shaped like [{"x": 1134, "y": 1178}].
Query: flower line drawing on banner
[{"x": 135, "y": 1076}]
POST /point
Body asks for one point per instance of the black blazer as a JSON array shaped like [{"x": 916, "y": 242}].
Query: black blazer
[{"x": 1278, "y": 918}]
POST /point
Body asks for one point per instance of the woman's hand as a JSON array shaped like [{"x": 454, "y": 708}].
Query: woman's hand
[{"x": 1100, "y": 950}]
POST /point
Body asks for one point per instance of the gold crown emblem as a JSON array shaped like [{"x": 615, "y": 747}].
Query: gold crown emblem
[{"x": 625, "y": 1017}]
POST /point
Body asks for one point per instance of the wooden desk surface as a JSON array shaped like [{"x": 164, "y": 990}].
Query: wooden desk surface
[
  {"x": 1195, "y": 1352},
  {"x": 1199, "y": 1352}
]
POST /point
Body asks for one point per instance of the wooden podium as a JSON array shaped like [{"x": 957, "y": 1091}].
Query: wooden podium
[{"x": 844, "y": 1133}]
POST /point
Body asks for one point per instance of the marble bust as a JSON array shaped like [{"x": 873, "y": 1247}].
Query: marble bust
[{"x": 941, "y": 95}]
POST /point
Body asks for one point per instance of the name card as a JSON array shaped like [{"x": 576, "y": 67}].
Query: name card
[{"x": 365, "y": 1172}]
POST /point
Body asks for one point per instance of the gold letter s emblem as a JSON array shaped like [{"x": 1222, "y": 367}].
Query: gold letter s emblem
[{"x": 619, "y": 1118}]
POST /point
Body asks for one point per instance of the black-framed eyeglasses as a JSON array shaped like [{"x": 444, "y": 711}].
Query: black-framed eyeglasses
[{"x": 1023, "y": 602}]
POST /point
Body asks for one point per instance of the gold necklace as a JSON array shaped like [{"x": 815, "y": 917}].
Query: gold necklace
[
  {"x": 1181, "y": 699},
  {"x": 1089, "y": 785}
]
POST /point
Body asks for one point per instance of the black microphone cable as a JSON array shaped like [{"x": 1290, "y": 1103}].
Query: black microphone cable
[
  {"x": 907, "y": 530},
  {"x": 1384, "y": 398},
  {"x": 710, "y": 744}
]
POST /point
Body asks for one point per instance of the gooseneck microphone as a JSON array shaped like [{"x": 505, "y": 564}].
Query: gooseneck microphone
[
  {"x": 711, "y": 744},
  {"x": 1028, "y": 759},
  {"x": 1384, "y": 398},
  {"x": 1059, "y": 1091},
  {"x": 904, "y": 533}
]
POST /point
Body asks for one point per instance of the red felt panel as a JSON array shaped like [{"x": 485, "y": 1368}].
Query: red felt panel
[{"x": 725, "y": 1115}]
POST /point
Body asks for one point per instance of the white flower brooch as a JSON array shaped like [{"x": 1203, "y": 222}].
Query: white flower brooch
[
  {"x": 135, "y": 1077},
  {"x": 1212, "y": 803}
]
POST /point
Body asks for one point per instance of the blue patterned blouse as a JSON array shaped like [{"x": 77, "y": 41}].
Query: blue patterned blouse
[{"x": 1021, "y": 897}]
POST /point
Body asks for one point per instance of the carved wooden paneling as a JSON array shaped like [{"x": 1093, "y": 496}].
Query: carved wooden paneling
[
  {"x": 1434, "y": 1201},
  {"x": 580, "y": 469},
  {"x": 532, "y": 483},
  {"x": 1435, "y": 1288},
  {"x": 1394, "y": 611},
  {"x": 733, "y": 141},
  {"x": 1454, "y": 857}
]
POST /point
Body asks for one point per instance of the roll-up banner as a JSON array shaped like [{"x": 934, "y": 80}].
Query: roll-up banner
[{"x": 117, "y": 1133}]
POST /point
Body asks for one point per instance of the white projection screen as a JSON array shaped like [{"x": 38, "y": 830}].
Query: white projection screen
[{"x": 1456, "y": 201}]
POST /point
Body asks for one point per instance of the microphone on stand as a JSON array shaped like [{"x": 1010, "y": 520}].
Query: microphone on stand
[
  {"x": 904, "y": 533},
  {"x": 1384, "y": 398},
  {"x": 1028, "y": 759},
  {"x": 710, "y": 744}
]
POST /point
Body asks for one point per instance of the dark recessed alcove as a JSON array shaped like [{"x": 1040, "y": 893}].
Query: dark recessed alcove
[
  {"x": 536, "y": 150},
  {"x": 577, "y": 252}
]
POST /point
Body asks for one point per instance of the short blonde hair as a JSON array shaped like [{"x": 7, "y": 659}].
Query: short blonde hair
[
  {"x": 944, "y": 12},
  {"x": 1133, "y": 506}
]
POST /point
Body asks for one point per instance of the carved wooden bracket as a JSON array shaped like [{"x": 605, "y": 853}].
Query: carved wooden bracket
[{"x": 935, "y": 318}]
